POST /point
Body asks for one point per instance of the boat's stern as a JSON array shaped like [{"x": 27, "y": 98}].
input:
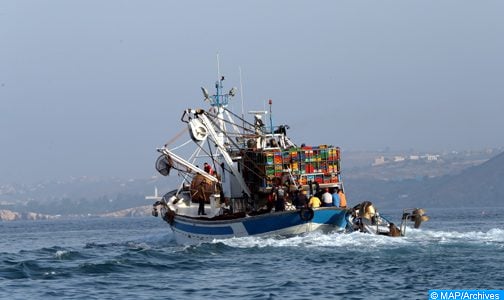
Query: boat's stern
[{"x": 365, "y": 218}]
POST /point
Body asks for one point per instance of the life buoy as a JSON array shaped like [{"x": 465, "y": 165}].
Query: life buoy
[{"x": 306, "y": 214}]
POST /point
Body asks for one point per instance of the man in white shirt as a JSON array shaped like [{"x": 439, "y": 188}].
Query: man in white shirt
[{"x": 327, "y": 198}]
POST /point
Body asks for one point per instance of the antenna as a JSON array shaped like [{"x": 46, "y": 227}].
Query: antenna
[
  {"x": 271, "y": 117},
  {"x": 241, "y": 95},
  {"x": 218, "y": 67}
]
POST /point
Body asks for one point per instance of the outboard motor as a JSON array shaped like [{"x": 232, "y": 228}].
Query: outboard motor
[
  {"x": 363, "y": 214},
  {"x": 367, "y": 210},
  {"x": 416, "y": 215}
]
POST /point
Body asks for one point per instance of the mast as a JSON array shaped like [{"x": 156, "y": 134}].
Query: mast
[
  {"x": 227, "y": 158},
  {"x": 270, "y": 102},
  {"x": 242, "y": 106},
  {"x": 219, "y": 102}
]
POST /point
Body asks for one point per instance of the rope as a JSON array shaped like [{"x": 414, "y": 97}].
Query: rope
[
  {"x": 180, "y": 146},
  {"x": 212, "y": 117},
  {"x": 176, "y": 137},
  {"x": 232, "y": 123},
  {"x": 240, "y": 118}
]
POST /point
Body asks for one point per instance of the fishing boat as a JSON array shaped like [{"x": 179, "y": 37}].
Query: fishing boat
[{"x": 248, "y": 178}]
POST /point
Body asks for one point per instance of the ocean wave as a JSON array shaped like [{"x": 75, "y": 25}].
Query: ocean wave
[
  {"x": 106, "y": 267},
  {"x": 26, "y": 269},
  {"x": 157, "y": 239},
  {"x": 144, "y": 242},
  {"x": 65, "y": 254}
]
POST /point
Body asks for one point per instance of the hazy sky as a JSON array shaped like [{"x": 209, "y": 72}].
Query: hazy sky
[{"x": 93, "y": 87}]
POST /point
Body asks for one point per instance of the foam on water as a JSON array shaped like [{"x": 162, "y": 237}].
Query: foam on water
[
  {"x": 60, "y": 254},
  {"x": 314, "y": 239},
  {"x": 359, "y": 240}
]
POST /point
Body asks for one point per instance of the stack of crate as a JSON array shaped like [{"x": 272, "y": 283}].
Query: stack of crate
[{"x": 317, "y": 164}]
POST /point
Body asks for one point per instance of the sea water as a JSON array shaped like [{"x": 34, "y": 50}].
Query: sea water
[{"x": 137, "y": 258}]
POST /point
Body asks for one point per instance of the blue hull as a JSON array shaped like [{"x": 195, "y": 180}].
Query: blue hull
[{"x": 190, "y": 230}]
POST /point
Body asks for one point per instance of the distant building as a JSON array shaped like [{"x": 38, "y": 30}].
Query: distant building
[
  {"x": 414, "y": 157},
  {"x": 399, "y": 158},
  {"x": 430, "y": 157},
  {"x": 380, "y": 160}
]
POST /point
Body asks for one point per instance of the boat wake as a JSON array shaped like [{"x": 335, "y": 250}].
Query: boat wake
[
  {"x": 494, "y": 236},
  {"x": 358, "y": 240}
]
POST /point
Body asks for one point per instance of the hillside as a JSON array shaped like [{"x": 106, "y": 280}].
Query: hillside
[
  {"x": 481, "y": 185},
  {"x": 81, "y": 196}
]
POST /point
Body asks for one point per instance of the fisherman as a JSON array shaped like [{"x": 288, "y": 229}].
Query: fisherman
[
  {"x": 289, "y": 205},
  {"x": 226, "y": 208},
  {"x": 393, "y": 230},
  {"x": 301, "y": 199},
  {"x": 314, "y": 202},
  {"x": 273, "y": 143},
  {"x": 342, "y": 197},
  {"x": 270, "y": 202},
  {"x": 207, "y": 168},
  {"x": 335, "y": 197},
  {"x": 327, "y": 198},
  {"x": 200, "y": 185},
  {"x": 279, "y": 196},
  {"x": 201, "y": 208},
  {"x": 258, "y": 124}
]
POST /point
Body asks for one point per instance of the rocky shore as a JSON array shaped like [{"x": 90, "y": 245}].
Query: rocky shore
[{"x": 8, "y": 215}]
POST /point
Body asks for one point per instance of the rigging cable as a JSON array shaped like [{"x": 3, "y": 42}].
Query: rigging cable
[
  {"x": 176, "y": 137},
  {"x": 236, "y": 145}
]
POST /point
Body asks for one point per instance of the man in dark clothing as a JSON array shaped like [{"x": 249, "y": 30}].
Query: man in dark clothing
[
  {"x": 201, "y": 199},
  {"x": 302, "y": 199},
  {"x": 280, "y": 195},
  {"x": 201, "y": 208}
]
